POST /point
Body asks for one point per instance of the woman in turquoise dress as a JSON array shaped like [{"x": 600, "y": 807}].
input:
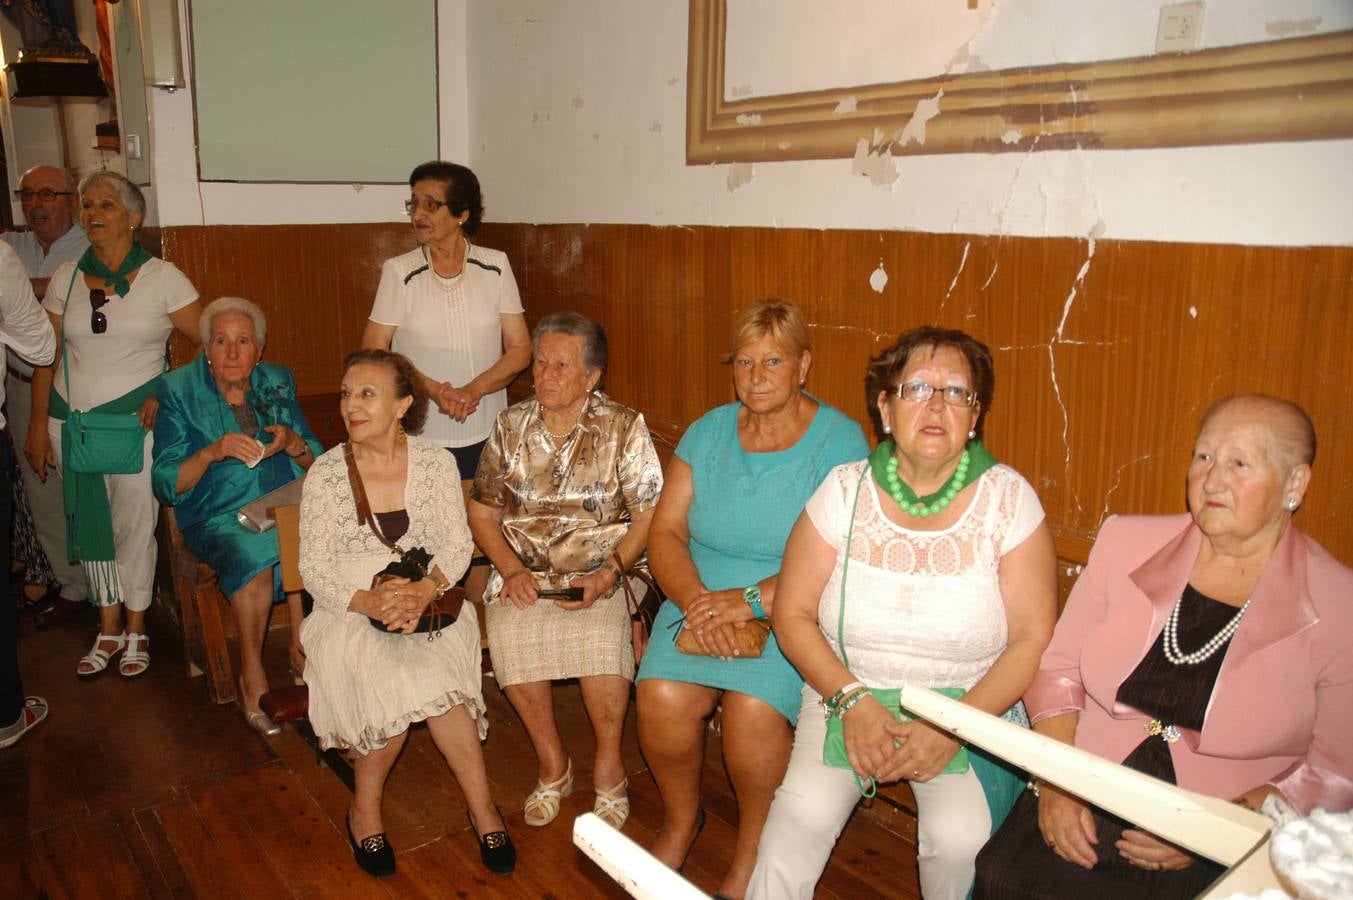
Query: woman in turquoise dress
[
  {"x": 229, "y": 430},
  {"x": 734, "y": 488}
]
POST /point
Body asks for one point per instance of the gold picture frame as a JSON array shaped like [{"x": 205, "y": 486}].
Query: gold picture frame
[{"x": 1296, "y": 89}]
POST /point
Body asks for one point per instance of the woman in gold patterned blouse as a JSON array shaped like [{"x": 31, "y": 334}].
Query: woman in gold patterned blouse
[{"x": 567, "y": 483}]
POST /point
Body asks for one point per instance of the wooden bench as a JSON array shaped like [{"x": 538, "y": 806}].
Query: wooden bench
[{"x": 204, "y": 613}]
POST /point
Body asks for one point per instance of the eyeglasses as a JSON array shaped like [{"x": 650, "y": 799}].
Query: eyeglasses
[
  {"x": 46, "y": 195},
  {"x": 920, "y": 392},
  {"x": 413, "y": 204},
  {"x": 98, "y": 322}
]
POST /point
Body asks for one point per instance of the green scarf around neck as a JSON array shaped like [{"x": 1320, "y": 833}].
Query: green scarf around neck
[
  {"x": 117, "y": 280},
  {"x": 979, "y": 460}
]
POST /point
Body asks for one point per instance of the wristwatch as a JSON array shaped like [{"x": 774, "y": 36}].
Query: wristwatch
[{"x": 752, "y": 596}]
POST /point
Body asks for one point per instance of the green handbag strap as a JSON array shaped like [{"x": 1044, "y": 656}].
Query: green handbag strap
[
  {"x": 65, "y": 357},
  {"x": 845, "y": 568}
]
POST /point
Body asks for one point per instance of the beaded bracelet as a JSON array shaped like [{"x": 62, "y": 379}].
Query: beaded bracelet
[
  {"x": 831, "y": 704},
  {"x": 851, "y": 699}
]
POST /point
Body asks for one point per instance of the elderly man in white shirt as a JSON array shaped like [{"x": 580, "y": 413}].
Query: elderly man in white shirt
[
  {"x": 50, "y": 206},
  {"x": 26, "y": 330}
]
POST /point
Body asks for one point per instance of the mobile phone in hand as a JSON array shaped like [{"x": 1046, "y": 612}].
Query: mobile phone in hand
[{"x": 572, "y": 593}]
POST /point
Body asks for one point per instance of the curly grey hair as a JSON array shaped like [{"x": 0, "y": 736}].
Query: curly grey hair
[{"x": 222, "y": 305}]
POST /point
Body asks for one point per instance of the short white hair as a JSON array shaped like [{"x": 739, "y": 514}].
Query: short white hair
[{"x": 222, "y": 305}]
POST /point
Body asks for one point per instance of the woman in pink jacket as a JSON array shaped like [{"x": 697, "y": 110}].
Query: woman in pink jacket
[{"x": 1212, "y": 650}]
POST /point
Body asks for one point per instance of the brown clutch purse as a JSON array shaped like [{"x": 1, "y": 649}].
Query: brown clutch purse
[{"x": 751, "y": 640}]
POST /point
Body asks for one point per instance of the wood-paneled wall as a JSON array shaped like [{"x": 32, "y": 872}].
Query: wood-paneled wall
[{"x": 1106, "y": 352}]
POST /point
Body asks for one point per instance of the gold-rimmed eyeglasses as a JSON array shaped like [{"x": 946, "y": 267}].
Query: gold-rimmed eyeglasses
[{"x": 427, "y": 204}]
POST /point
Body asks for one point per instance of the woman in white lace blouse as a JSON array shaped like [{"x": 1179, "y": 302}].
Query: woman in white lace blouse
[
  {"x": 929, "y": 563},
  {"x": 368, "y": 684}
]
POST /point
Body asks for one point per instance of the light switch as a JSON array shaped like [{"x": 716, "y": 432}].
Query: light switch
[{"x": 1180, "y": 29}]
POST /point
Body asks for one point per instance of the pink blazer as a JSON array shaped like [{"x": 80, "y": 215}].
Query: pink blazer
[{"x": 1282, "y": 709}]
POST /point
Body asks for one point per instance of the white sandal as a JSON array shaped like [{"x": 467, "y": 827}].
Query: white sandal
[
  {"x": 613, "y": 806},
  {"x": 97, "y": 659},
  {"x": 135, "y": 659},
  {"x": 542, "y": 804}
]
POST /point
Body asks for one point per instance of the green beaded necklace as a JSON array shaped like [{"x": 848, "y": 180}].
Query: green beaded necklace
[{"x": 975, "y": 460}]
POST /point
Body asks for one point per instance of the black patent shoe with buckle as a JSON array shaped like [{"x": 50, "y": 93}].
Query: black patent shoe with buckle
[
  {"x": 374, "y": 854},
  {"x": 495, "y": 848}
]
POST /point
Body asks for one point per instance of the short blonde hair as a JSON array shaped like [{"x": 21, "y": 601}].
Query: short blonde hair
[{"x": 776, "y": 317}]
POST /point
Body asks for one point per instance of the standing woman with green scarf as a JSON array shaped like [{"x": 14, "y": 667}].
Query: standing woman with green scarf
[{"x": 113, "y": 312}]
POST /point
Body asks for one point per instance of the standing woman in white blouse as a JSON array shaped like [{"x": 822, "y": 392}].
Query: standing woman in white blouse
[
  {"x": 113, "y": 311},
  {"x": 929, "y": 563},
  {"x": 453, "y": 309}
]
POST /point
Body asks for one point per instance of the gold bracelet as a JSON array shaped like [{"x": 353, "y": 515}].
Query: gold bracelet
[{"x": 442, "y": 587}]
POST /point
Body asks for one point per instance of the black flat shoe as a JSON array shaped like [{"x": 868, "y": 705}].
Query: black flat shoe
[
  {"x": 374, "y": 854},
  {"x": 495, "y": 848},
  {"x": 59, "y": 612}
]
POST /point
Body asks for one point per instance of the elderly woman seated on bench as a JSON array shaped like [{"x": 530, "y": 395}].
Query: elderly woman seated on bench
[{"x": 229, "y": 431}]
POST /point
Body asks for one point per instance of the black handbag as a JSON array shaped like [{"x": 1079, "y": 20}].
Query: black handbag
[{"x": 413, "y": 564}]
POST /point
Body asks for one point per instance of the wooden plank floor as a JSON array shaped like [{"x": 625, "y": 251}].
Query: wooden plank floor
[{"x": 146, "y": 789}]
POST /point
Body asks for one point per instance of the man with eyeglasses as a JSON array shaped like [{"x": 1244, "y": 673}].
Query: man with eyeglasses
[
  {"x": 54, "y": 236},
  {"x": 50, "y": 203}
]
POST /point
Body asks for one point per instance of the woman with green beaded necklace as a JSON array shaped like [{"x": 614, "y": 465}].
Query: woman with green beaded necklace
[{"x": 929, "y": 563}]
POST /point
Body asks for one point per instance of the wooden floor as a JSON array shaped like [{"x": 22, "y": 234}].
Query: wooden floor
[{"x": 146, "y": 789}]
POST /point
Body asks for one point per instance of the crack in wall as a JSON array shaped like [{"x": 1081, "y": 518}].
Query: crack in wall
[
  {"x": 1058, "y": 338},
  {"x": 1117, "y": 480},
  {"x": 876, "y": 335},
  {"x": 967, "y": 245}
]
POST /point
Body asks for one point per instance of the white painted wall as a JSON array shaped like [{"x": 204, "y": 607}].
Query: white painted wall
[{"x": 577, "y": 114}]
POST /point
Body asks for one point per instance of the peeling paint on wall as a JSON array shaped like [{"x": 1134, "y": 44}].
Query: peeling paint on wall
[
  {"x": 785, "y": 145},
  {"x": 740, "y": 90},
  {"x": 753, "y": 119},
  {"x": 878, "y": 279},
  {"x": 1288, "y": 27},
  {"x": 1012, "y": 136},
  {"x": 671, "y": 82},
  {"x": 738, "y": 175},
  {"x": 846, "y": 106},
  {"x": 875, "y": 161},
  {"x": 1193, "y": 312},
  {"x": 926, "y": 110},
  {"x": 656, "y": 128}
]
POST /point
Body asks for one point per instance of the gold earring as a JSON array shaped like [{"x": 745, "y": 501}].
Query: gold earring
[{"x": 399, "y": 432}]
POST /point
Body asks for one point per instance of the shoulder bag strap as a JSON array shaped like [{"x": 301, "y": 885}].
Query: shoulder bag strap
[
  {"x": 364, "y": 514},
  {"x": 65, "y": 357},
  {"x": 845, "y": 567}
]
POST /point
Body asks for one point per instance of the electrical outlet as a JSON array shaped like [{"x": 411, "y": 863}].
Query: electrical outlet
[{"x": 1180, "y": 29}]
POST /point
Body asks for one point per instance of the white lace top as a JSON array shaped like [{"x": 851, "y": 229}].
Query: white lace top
[
  {"x": 922, "y": 607},
  {"x": 339, "y": 555}
]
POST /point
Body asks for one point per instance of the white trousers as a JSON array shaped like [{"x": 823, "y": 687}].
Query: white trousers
[
  {"x": 44, "y": 497},
  {"x": 813, "y": 803},
  {"x": 135, "y": 512}
]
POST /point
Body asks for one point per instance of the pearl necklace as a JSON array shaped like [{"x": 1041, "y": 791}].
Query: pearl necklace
[
  {"x": 1170, "y": 644},
  {"x": 931, "y": 504}
]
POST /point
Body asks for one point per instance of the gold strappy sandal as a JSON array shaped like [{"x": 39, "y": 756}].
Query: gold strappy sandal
[
  {"x": 613, "y": 806},
  {"x": 542, "y": 804}
]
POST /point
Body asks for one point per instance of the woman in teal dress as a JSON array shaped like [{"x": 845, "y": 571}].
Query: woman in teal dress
[
  {"x": 733, "y": 490},
  {"x": 229, "y": 430}
]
